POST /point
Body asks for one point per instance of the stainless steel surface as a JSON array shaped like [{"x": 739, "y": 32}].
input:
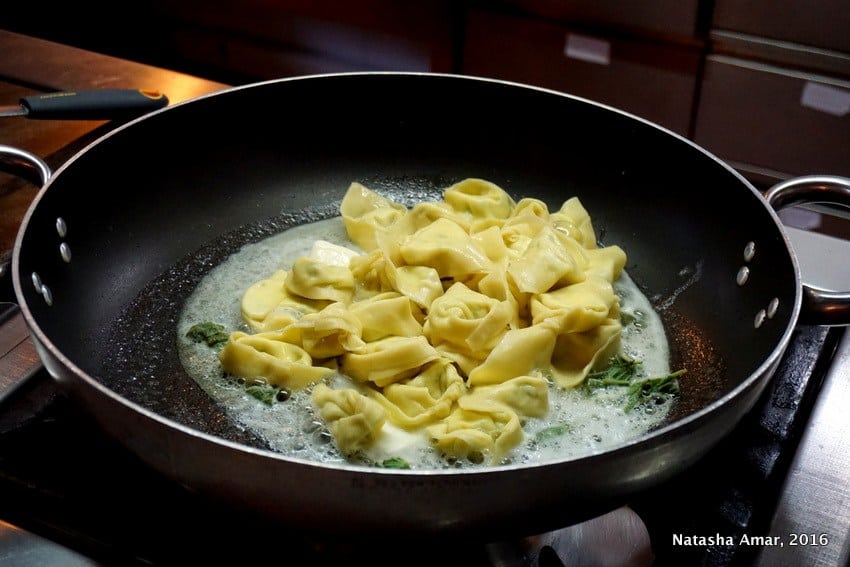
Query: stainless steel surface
[
  {"x": 21, "y": 548},
  {"x": 785, "y": 53},
  {"x": 13, "y": 110},
  {"x": 24, "y": 163},
  {"x": 617, "y": 538},
  {"x": 18, "y": 358},
  {"x": 820, "y": 306},
  {"x": 823, "y": 259},
  {"x": 812, "y": 522}
]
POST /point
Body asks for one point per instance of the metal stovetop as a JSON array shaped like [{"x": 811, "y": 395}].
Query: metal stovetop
[{"x": 811, "y": 525}]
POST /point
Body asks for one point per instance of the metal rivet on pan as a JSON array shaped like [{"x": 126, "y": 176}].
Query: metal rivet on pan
[
  {"x": 749, "y": 251},
  {"x": 47, "y": 294},
  {"x": 36, "y": 282},
  {"x": 61, "y": 227},
  {"x": 743, "y": 275},
  {"x": 760, "y": 316},
  {"x": 772, "y": 307},
  {"x": 65, "y": 252}
]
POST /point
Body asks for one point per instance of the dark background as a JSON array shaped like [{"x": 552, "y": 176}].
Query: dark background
[{"x": 728, "y": 74}]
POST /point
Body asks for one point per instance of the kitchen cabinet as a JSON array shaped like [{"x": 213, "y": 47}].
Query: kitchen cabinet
[
  {"x": 761, "y": 84},
  {"x": 772, "y": 121},
  {"x": 821, "y": 24},
  {"x": 775, "y": 92},
  {"x": 654, "y": 80}
]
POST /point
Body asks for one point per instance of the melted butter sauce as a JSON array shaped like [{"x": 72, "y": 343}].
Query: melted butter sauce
[{"x": 587, "y": 423}]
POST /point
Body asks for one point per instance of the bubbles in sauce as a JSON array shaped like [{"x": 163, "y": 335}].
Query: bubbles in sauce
[{"x": 578, "y": 423}]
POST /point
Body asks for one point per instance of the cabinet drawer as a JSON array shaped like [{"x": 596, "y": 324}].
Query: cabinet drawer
[
  {"x": 824, "y": 23},
  {"x": 652, "y": 80},
  {"x": 775, "y": 118}
]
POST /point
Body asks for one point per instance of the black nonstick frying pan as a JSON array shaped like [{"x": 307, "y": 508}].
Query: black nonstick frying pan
[{"x": 120, "y": 235}]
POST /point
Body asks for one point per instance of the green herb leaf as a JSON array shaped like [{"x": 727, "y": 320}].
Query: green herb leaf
[
  {"x": 651, "y": 389},
  {"x": 394, "y": 463},
  {"x": 263, "y": 392},
  {"x": 208, "y": 332},
  {"x": 552, "y": 432},
  {"x": 620, "y": 372},
  {"x": 623, "y": 372},
  {"x": 627, "y": 318}
]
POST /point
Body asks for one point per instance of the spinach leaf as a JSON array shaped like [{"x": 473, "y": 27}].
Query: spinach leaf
[
  {"x": 208, "y": 332},
  {"x": 263, "y": 392},
  {"x": 394, "y": 463}
]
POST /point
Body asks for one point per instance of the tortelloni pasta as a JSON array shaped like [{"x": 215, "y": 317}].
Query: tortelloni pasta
[{"x": 450, "y": 319}]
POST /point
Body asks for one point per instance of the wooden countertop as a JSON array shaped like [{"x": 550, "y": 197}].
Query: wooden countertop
[{"x": 31, "y": 66}]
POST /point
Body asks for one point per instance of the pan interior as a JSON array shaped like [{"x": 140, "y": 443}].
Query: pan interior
[
  {"x": 181, "y": 196},
  {"x": 149, "y": 350},
  {"x": 596, "y": 420}
]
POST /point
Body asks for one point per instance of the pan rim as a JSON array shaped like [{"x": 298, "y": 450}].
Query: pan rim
[{"x": 761, "y": 374}]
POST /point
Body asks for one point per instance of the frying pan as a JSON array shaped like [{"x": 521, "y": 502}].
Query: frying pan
[{"x": 121, "y": 234}]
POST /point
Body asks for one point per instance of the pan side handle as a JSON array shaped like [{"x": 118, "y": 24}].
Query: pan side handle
[
  {"x": 18, "y": 357},
  {"x": 820, "y": 307},
  {"x": 24, "y": 164},
  {"x": 28, "y": 166}
]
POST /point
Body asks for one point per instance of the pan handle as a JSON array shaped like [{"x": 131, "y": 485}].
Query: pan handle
[
  {"x": 18, "y": 357},
  {"x": 820, "y": 307},
  {"x": 29, "y": 166},
  {"x": 24, "y": 164}
]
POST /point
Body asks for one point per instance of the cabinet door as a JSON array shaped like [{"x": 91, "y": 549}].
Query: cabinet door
[
  {"x": 817, "y": 23},
  {"x": 655, "y": 81},
  {"x": 774, "y": 118}
]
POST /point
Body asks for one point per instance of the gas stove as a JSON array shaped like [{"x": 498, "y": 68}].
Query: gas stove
[{"x": 774, "y": 492}]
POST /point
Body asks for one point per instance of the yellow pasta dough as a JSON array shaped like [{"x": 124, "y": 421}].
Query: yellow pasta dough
[
  {"x": 479, "y": 199},
  {"x": 265, "y": 357},
  {"x": 446, "y": 247},
  {"x": 451, "y": 318},
  {"x": 353, "y": 419},
  {"x": 331, "y": 332},
  {"x": 316, "y": 280},
  {"x": 366, "y": 214},
  {"x": 426, "y": 398},
  {"x": 268, "y": 306},
  {"x": 465, "y": 325},
  {"x": 387, "y": 314}
]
